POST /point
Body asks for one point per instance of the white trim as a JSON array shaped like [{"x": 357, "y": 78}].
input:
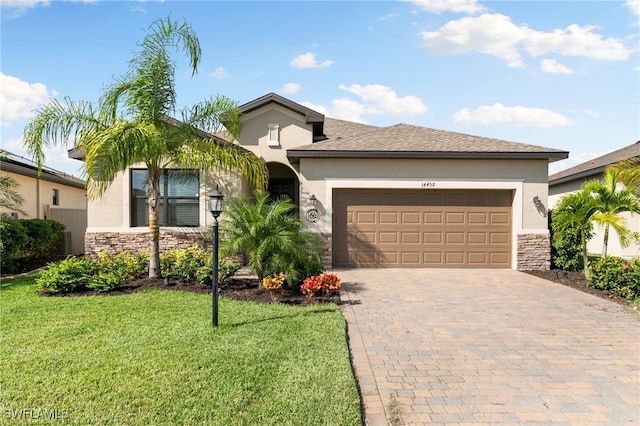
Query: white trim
[{"x": 434, "y": 184}]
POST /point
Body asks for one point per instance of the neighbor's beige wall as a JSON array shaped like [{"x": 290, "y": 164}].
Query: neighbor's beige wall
[
  {"x": 530, "y": 174},
  {"x": 37, "y": 193}
]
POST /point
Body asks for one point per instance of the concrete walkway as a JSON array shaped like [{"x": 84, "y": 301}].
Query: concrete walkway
[{"x": 489, "y": 347}]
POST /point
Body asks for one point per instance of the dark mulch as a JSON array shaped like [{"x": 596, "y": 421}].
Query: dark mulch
[
  {"x": 237, "y": 288},
  {"x": 578, "y": 281}
]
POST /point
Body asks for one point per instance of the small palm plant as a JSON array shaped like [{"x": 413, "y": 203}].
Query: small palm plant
[{"x": 272, "y": 239}]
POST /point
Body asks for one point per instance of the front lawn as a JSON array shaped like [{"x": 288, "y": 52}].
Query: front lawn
[{"x": 154, "y": 358}]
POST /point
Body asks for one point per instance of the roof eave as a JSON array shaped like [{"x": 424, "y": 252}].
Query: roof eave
[
  {"x": 295, "y": 155},
  {"x": 310, "y": 115},
  {"x": 9, "y": 166},
  {"x": 580, "y": 175}
]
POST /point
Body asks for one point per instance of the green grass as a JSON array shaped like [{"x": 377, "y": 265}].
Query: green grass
[{"x": 154, "y": 358}]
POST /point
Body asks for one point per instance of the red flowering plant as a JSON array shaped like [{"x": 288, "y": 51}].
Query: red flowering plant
[
  {"x": 327, "y": 283},
  {"x": 330, "y": 283},
  {"x": 310, "y": 286}
]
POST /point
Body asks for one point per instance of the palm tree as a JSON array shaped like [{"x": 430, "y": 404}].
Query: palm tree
[
  {"x": 10, "y": 198},
  {"x": 628, "y": 173},
  {"x": 576, "y": 210},
  {"x": 131, "y": 125},
  {"x": 273, "y": 240},
  {"x": 612, "y": 201}
]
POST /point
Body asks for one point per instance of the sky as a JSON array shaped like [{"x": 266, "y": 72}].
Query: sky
[{"x": 559, "y": 74}]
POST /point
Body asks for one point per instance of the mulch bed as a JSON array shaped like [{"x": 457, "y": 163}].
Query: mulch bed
[
  {"x": 577, "y": 281},
  {"x": 244, "y": 288}
]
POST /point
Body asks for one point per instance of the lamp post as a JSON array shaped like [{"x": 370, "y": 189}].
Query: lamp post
[{"x": 215, "y": 207}]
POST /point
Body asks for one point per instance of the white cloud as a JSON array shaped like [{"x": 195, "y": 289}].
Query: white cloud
[
  {"x": 575, "y": 41},
  {"x": 219, "y": 73},
  {"x": 19, "y": 98},
  {"x": 386, "y": 17},
  {"x": 15, "y": 8},
  {"x": 497, "y": 35},
  {"x": 374, "y": 99},
  {"x": 634, "y": 5},
  {"x": 518, "y": 116},
  {"x": 439, "y": 6},
  {"x": 289, "y": 88},
  {"x": 380, "y": 99},
  {"x": 492, "y": 34},
  {"x": 308, "y": 60},
  {"x": 554, "y": 67}
]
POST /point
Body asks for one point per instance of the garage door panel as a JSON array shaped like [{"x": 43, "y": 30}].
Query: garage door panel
[
  {"x": 388, "y": 237},
  {"x": 426, "y": 228},
  {"x": 477, "y": 259},
  {"x": 433, "y": 258},
  {"x": 432, "y": 218},
  {"x": 410, "y": 258},
  {"x": 455, "y": 258},
  {"x": 412, "y": 237},
  {"x": 389, "y": 218},
  {"x": 454, "y": 237}
]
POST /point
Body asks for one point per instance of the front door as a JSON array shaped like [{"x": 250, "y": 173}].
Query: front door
[{"x": 281, "y": 187}]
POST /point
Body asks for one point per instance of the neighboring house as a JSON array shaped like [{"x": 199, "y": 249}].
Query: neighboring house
[
  {"x": 574, "y": 178},
  {"x": 50, "y": 194},
  {"x": 398, "y": 196}
]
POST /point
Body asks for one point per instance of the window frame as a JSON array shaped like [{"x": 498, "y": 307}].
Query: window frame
[{"x": 164, "y": 202}]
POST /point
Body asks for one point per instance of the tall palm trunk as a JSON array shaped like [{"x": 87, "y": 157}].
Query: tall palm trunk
[
  {"x": 585, "y": 256},
  {"x": 154, "y": 224},
  {"x": 605, "y": 243}
]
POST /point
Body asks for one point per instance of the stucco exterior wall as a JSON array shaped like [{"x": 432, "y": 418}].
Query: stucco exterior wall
[{"x": 37, "y": 194}]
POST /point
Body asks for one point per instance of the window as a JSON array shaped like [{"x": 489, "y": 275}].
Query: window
[
  {"x": 55, "y": 197},
  {"x": 179, "y": 198},
  {"x": 274, "y": 136}
]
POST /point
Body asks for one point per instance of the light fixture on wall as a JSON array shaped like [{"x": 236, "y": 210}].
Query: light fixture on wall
[
  {"x": 313, "y": 214},
  {"x": 539, "y": 206}
]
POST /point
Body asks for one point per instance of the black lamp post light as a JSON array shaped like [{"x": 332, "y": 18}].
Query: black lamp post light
[{"x": 215, "y": 207}]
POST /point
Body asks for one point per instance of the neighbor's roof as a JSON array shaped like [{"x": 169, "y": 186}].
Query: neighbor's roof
[
  {"x": 25, "y": 167},
  {"x": 407, "y": 141},
  {"x": 595, "y": 166}
]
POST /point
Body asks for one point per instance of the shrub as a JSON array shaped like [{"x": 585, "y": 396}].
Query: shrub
[
  {"x": 186, "y": 264},
  {"x": 66, "y": 275},
  {"x": 28, "y": 241},
  {"x": 271, "y": 236},
  {"x": 194, "y": 264},
  {"x": 227, "y": 269},
  {"x": 616, "y": 275},
  {"x": 566, "y": 253},
  {"x": 13, "y": 239}
]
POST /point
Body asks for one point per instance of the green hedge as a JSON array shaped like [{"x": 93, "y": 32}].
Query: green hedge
[
  {"x": 26, "y": 242},
  {"x": 616, "y": 275}
]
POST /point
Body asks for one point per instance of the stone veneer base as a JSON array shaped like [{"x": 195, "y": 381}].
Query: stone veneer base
[{"x": 534, "y": 252}]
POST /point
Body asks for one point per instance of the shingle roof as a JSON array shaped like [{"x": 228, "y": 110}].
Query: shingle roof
[
  {"x": 595, "y": 166},
  {"x": 13, "y": 163},
  {"x": 407, "y": 141}
]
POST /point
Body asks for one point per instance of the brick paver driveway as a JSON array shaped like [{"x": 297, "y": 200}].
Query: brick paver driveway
[{"x": 489, "y": 347}]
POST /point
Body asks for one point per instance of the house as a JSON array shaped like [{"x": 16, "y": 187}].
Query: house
[
  {"x": 397, "y": 196},
  {"x": 574, "y": 178},
  {"x": 50, "y": 194}
]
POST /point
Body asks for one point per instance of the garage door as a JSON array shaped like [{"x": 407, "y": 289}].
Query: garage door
[{"x": 422, "y": 229}]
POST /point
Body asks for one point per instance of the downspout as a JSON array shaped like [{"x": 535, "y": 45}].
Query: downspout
[{"x": 38, "y": 195}]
